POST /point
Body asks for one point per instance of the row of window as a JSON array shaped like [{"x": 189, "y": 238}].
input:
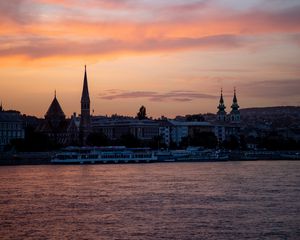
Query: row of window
[
  {"x": 105, "y": 156},
  {"x": 10, "y": 126},
  {"x": 11, "y": 133}
]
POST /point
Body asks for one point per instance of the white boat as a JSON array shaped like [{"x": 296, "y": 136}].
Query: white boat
[
  {"x": 199, "y": 154},
  {"x": 119, "y": 154}
]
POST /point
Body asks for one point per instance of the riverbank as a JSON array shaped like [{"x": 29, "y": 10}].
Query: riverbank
[
  {"x": 26, "y": 158},
  {"x": 44, "y": 158}
]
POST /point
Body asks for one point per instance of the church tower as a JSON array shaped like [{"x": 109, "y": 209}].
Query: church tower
[
  {"x": 235, "y": 112},
  {"x": 221, "y": 114},
  {"x": 85, "y": 120}
]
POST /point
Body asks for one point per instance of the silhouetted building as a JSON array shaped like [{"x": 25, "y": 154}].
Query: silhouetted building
[
  {"x": 60, "y": 130},
  {"x": 114, "y": 129},
  {"x": 227, "y": 125},
  {"x": 85, "y": 120},
  {"x": 68, "y": 131},
  {"x": 11, "y": 127},
  {"x": 234, "y": 116}
]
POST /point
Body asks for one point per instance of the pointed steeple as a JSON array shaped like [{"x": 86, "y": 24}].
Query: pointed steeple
[
  {"x": 85, "y": 97},
  {"x": 85, "y": 119},
  {"x": 235, "y": 113},
  {"x": 234, "y": 95},
  {"x": 234, "y": 105},
  {"x": 221, "y": 114},
  {"x": 1, "y": 108},
  {"x": 221, "y": 106}
]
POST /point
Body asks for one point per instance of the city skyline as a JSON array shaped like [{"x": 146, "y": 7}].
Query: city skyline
[{"x": 172, "y": 57}]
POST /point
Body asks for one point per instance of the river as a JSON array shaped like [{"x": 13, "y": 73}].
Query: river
[{"x": 220, "y": 200}]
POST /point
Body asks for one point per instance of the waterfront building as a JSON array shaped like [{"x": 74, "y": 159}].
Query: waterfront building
[
  {"x": 68, "y": 131},
  {"x": 60, "y": 130},
  {"x": 179, "y": 130},
  {"x": 165, "y": 128},
  {"x": 220, "y": 131},
  {"x": 227, "y": 125},
  {"x": 224, "y": 131},
  {"x": 173, "y": 131},
  {"x": 114, "y": 129},
  {"x": 11, "y": 127}
]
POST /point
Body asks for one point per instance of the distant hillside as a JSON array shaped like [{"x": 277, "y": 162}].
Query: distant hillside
[
  {"x": 281, "y": 116},
  {"x": 271, "y": 110}
]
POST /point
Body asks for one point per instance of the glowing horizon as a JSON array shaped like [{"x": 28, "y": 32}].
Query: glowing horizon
[{"x": 172, "y": 57}]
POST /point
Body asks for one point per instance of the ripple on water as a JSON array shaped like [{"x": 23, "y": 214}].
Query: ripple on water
[{"x": 232, "y": 200}]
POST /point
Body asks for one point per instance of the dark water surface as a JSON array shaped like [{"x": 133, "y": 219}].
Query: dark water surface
[{"x": 232, "y": 200}]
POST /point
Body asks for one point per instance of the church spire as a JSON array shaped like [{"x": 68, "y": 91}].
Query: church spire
[
  {"x": 85, "y": 120},
  {"x": 1, "y": 108},
  {"x": 235, "y": 113},
  {"x": 221, "y": 98},
  {"x": 85, "y": 90},
  {"x": 234, "y": 105},
  {"x": 221, "y": 106},
  {"x": 221, "y": 114}
]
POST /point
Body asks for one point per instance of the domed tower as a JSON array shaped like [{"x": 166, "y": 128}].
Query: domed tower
[
  {"x": 235, "y": 113},
  {"x": 85, "y": 120},
  {"x": 221, "y": 114}
]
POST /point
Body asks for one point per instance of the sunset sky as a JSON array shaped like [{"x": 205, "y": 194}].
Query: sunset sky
[{"x": 172, "y": 56}]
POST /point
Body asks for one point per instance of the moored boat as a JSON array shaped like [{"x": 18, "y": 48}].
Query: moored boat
[
  {"x": 119, "y": 154},
  {"x": 198, "y": 154}
]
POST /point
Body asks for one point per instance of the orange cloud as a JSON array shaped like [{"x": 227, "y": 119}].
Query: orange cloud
[
  {"x": 251, "y": 22},
  {"x": 110, "y": 4},
  {"x": 49, "y": 47},
  {"x": 198, "y": 25}
]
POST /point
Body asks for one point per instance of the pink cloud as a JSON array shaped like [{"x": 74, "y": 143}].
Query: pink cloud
[
  {"x": 179, "y": 96},
  {"x": 45, "y": 47}
]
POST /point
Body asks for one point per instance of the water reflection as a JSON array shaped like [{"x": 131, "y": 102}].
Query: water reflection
[{"x": 233, "y": 200}]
